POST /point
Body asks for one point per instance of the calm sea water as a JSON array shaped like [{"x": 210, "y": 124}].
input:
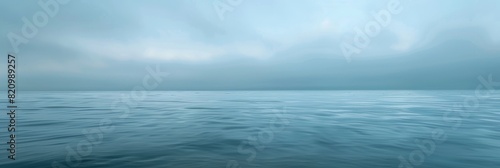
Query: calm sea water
[{"x": 267, "y": 129}]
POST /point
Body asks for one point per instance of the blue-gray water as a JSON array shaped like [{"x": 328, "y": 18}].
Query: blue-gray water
[{"x": 317, "y": 129}]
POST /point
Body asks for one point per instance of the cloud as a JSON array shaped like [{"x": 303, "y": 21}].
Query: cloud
[
  {"x": 407, "y": 37},
  {"x": 260, "y": 44}
]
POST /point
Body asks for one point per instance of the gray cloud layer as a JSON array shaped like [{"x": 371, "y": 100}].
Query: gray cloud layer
[{"x": 105, "y": 45}]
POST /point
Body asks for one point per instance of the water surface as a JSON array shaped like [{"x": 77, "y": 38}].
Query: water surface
[{"x": 317, "y": 129}]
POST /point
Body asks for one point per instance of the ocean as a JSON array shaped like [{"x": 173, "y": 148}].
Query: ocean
[{"x": 261, "y": 129}]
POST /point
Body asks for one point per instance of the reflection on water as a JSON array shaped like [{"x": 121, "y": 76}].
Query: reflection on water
[{"x": 344, "y": 129}]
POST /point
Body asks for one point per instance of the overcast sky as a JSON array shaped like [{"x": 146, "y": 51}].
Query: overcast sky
[{"x": 255, "y": 44}]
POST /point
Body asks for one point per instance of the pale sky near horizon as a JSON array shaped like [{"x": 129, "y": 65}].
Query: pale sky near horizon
[{"x": 257, "y": 44}]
